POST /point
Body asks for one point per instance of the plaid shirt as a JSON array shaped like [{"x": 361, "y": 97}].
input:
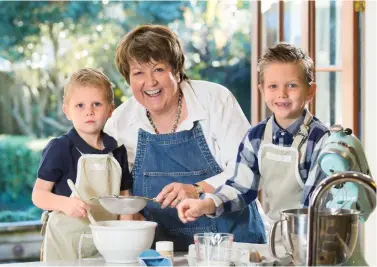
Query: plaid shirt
[{"x": 241, "y": 189}]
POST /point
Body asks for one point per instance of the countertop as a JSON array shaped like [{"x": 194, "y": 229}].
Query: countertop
[{"x": 179, "y": 260}]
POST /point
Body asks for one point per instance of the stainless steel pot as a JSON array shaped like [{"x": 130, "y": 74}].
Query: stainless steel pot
[{"x": 337, "y": 232}]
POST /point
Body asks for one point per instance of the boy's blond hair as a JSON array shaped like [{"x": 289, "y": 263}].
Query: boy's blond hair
[
  {"x": 286, "y": 53},
  {"x": 148, "y": 43},
  {"x": 92, "y": 77}
]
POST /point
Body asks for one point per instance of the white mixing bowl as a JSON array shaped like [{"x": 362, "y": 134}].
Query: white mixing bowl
[{"x": 123, "y": 241}]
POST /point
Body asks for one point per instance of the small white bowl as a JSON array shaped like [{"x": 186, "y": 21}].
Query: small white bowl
[{"x": 123, "y": 241}]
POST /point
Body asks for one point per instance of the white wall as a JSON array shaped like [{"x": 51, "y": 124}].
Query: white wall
[{"x": 370, "y": 120}]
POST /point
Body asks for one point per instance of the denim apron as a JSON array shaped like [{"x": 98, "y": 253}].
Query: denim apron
[{"x": 184, "y": 157}]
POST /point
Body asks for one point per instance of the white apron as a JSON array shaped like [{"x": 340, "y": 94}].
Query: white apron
[
  {"x": 97, "y": 175},
  {"x": 281, "y": 182}
]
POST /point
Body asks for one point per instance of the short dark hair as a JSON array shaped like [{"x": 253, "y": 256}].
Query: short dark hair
[
  {"x": 287, "y": 53},
  {"x": 148, "y": 43}
]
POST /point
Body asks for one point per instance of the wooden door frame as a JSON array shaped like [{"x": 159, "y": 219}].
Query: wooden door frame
[
  {"x": 308, "y": 36},
  {"x": 256, "y": 51},
  {"x": 350, "y": 67}
]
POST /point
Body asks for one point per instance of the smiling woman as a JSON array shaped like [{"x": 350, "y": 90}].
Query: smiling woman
[{"x": 181, "y": 137}]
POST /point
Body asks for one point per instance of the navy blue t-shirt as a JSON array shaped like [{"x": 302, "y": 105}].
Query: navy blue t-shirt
[{"x": 61, "y": 155}]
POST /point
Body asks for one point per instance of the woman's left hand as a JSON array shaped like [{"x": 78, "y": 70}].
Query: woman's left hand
[{"x": 172, "y": 194}]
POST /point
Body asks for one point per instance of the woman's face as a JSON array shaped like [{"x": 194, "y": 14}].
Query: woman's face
[{"x": 154, "y": 85}]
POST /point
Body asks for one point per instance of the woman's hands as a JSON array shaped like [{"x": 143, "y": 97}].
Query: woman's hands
[
  {"x": 172, "y": 194},
  {"x": 185, "y": 198}
]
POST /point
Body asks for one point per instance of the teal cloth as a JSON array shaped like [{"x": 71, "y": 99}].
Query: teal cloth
[{"x": 151, "y": 257}]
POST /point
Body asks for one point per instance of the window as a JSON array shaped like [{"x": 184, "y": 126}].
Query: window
[{"x": 329, "y": 32}]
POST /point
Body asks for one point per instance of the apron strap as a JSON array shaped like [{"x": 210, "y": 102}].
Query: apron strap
[
  {"x": 110, "y": 153},
  {"x": 44, "y": 219},
  {"x": 299, "y": 138},
  {"x": 303, "y": 133},
  {"x": 267, "y": 137}
]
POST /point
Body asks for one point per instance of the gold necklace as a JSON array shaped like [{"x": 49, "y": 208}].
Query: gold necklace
[{"x": 177, "y": 116}]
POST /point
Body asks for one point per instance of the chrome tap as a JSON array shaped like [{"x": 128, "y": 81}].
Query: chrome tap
[{"x": 317, "y": 197}]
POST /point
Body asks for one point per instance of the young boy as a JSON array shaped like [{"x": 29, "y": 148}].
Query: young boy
[
  {"x": 87, "y": 156},
  {"x": 278, "y": 155}
]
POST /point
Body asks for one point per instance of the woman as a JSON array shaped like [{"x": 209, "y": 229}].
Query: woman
[{"x": 181, "y": 137}]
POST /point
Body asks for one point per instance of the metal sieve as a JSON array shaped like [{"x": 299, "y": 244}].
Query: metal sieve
[{"x": 123, "y": 204}]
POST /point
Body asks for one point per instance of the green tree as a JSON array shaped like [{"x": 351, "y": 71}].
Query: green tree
[
  {"x": 217, "y": 45},
  {"x": 32, "y": 40},
  {"x": 45, "y": 41}
]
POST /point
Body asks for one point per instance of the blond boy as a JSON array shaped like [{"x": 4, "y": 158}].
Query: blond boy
[{"x": 87, "y": 156}]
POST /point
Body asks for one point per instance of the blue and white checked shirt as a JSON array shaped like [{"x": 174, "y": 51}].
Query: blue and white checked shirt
[{"x": 241, "y": 189}]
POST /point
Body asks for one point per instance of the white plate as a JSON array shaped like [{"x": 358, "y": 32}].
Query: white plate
[{"x": 262, "y": 249}]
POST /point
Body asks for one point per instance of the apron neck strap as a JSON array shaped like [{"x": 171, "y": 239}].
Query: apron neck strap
[
  {"x": 299, "y": 138},
  {"x": 267, "y": 137},
  {"x": 303, "y": 133}
]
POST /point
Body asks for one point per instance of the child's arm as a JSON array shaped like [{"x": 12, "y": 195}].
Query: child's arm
[
  {"x": 190, "y": 209},
  {"x": 241, "y": 189},
  {"x": 43, "y": 198},
  {"x": 51, "y": 169},
  {"x": 238, "y": 191}
]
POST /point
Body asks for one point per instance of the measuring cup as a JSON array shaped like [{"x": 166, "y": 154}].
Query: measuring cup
[{"x": 213, "y": 249}]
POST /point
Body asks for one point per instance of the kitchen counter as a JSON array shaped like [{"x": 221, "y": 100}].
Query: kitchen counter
[{"x": 179, "y": 260}]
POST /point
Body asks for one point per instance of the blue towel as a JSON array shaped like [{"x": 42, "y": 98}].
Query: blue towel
[{"x": 152, "y": 257}]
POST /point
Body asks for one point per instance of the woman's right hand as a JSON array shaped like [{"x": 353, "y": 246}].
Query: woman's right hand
[{"x": 74, "y": 207}]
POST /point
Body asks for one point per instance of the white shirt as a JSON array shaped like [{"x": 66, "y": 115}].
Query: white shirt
[{"x": 221, "y": 118}]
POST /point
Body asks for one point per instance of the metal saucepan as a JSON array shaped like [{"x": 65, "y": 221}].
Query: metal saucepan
[
  {"x": 123, "y": 204},
  {"x": 338, "y": 230}
]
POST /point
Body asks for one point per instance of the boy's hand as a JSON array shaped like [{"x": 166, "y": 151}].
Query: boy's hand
[
  {"x": 126, "y": 217},
  {"x": 75, "y": 207},
  {"x": 138, "y": 217},
  {"x": 132, "y": 217},
  {"x": 190, "y": 209}
]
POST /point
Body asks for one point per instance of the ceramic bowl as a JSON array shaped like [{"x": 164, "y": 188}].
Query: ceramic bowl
[{"x": 123, "y": 241}]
